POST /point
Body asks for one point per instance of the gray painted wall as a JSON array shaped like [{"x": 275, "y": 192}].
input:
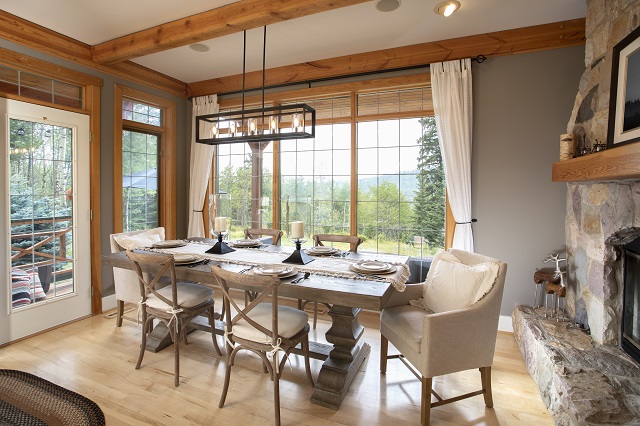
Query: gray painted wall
[
  {"x": 522, "y": 104},
  {"x": 106, "y": 150}
]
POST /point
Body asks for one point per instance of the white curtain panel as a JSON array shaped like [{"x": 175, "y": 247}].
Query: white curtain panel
[
  {"x": 451, "y": 89},
  {"x": 201, "y": 155}
]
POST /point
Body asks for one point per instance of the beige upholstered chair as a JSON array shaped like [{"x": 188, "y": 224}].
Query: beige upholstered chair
[
  {"x": 126, "y": 280},
  {"x": 445, "y": 342},
  {"x": 255, "y": 233},
  {"x": 262, "y": 327},
  {"x": 353, "y": 242},
  {"x": 174, "y": 305}
]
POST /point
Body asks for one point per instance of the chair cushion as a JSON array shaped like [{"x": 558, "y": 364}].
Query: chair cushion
[
  {"x": 189, "y": 295},
  {"x": 402, "y": 325},
  {"x": 143, "y": 239},
  {"x": 290, "y": 322},
  {"x": 454, "y": 285}
]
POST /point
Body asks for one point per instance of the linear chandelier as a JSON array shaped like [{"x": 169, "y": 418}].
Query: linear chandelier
[{"x": 293, "y": 121}]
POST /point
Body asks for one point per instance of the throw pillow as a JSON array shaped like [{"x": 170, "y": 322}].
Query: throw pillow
[
  {"x": 440, "y": 254},
  {"x": 143, "y": 239},
  {"x": 454, "y": 285}
]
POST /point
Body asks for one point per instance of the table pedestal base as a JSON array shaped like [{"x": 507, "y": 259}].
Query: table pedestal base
[{"x": 344, "y": 360}]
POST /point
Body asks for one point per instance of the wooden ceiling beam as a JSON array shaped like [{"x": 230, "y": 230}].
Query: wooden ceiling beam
[
  {"x": 225, "y": 20},
  {"x": 26, "y": 33},
  {"x": 499, "y": 43}
]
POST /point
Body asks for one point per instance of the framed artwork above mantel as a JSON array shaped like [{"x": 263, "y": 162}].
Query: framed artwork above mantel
[{"x": 624, "y": 104}]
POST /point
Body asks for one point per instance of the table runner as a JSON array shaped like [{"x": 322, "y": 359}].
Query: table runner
[{"x": 322, "y": 265}]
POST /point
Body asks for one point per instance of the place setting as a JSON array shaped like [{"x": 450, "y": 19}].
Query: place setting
[
  {"x": 373, "y": 269},
  {"x": 186, "y": 259},
  {"x": 322, "y": 251},
  {"x": 281, "y": 271},
  {"x": 169, "y": 244},
  {"x": 246, "y": 243}
]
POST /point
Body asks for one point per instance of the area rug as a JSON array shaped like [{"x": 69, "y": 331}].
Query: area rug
[{"x": 26, "y": 399}]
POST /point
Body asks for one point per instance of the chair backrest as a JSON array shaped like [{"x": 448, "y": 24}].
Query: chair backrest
[
  {"x": 337, "y": 238},
  {"x": 275, "y": 234},
  {"x": 264, "y": 286},
  {"x": 125, "y": 280},
  {"x": 165, "y": 262}
]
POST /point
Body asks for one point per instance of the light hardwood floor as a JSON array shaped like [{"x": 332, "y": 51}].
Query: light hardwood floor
[{"x": 95, "y": 358}]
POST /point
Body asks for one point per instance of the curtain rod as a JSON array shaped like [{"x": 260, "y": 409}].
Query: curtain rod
[{"x": 479, "y": 59}]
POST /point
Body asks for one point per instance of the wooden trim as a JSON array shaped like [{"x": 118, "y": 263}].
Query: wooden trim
[
  {"x": 43, "y": 103},
  {"x": 92, "y": 101},
  {"x": 353, "y": 198},
  {"x": 25, "y": 33},
  {"x": 117, "y": 158},
  {"x": 222, "y": 21},
  {"x": 449, "y": 224},
  {"x": 168, "y": 171},
  {"x": 29, "y": 64},
  {"x": 334, "y": 90},
  {"x": 499, "y": 43},
  {"x": 396, "y": 115},
  {"x": 275, "y": 187},
  {"x": 622, "y": 162},
  {"x": 167, "y": 155}
]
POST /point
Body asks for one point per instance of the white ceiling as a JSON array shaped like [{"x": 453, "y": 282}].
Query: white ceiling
[{"x": 345, "y": 31}]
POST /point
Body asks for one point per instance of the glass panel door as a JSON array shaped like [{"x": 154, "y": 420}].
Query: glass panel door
[
  {"x": 45, "y": 266},
  {"x": 41, "y": 202}
]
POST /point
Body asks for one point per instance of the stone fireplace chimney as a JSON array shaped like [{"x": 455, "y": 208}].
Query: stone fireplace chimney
[{"x": 597, "y": 210}]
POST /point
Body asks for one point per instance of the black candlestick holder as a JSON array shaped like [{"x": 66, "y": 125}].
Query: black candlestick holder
[
  {"x": 298, "y": 257},
  {"x": 220, "y": 247}
]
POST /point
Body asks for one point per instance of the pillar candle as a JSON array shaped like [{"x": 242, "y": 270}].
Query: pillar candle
[
  {"x": 297, "y": 229},
  {"x": 220, "y": 224}
]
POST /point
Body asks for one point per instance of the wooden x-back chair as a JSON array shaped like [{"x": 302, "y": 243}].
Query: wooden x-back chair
[
  {"x": 175, "y": 305},
  {"x": 261, "y": 327},
  {"x": 255, "y": 233}
]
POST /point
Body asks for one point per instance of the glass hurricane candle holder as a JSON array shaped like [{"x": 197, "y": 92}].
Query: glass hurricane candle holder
[{"x": 298, "y": 257}]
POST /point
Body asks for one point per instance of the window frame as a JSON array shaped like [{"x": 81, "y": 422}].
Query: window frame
[
  {"x": 352, "y": 89},
  {"x": 166, "y": 132}
]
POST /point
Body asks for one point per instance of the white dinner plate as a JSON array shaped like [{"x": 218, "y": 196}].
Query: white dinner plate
[
  {"x": 185, "y": 258},
  {"x": 247, "y": 243},
  {"x": 321, "y": 250},
  {"x": 169, "y": 244},
  {"x": 282, "y": 271},
  {"x": 372, "y": 267}
]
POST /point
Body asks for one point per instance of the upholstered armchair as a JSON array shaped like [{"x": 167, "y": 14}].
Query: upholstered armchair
[
  {"x": 126, "y": 280},
  {"x": 452, "y": 338}
]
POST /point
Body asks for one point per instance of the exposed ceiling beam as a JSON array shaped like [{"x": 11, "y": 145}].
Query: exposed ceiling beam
[
  {"x": 521, "y": 40},
  {"x": 26, "y": 33},
  {"x": 225, "y": 20}
]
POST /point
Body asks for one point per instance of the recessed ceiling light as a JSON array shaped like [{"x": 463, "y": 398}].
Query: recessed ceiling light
[
  {"x": 199, "y": 47},
  {"x": 446, "y": 8},
  {"x": 387, "y": 5}
]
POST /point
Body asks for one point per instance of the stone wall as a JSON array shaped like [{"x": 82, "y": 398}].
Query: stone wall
[{"x": 596, "y": 210}]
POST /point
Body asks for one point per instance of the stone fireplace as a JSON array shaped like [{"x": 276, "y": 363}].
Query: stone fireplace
[
  {"x": 596, "y": 214},
  {"x": 588, "y": 379}
]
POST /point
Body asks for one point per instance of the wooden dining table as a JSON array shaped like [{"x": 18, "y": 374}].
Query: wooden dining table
[{"x": 346, "y": 296}]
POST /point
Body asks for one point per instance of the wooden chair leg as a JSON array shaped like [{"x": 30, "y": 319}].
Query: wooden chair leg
[
  {"x": 119, "y": 312},
  {"x": 384, "y": 348},
  {"x": 307, "y": 364},
  {"x": 276, "y": 390},
  {"x": 213, "y": 330},
  {"x": 176, "y": 354},
  {"x": 425, "y": 411},
  {"x": 315, "y": 314},
  {"x": 227, "y": 375},
  {"x": 485, "y": 376},
  {"x": 143, "y": 343}
]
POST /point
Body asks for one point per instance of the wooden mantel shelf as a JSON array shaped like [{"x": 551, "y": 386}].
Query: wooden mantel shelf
[{"x": 612, "y": 164}]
